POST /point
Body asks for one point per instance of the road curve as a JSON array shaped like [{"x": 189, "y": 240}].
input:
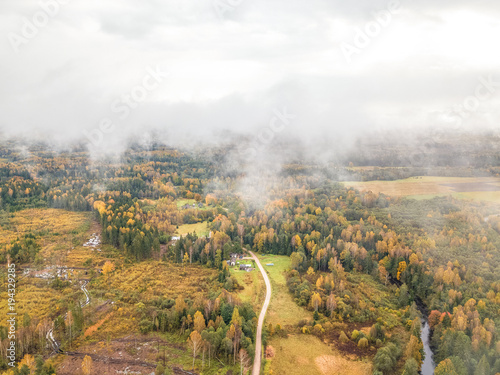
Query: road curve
[{"x": 258, "y": 340}]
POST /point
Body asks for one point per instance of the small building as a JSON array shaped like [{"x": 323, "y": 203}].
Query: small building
[
  {"x": 233, "y": 257},
  {"x": 269, "y": 264},
  {"x": 176, "y": 238},
  {"x": 230, "y": 262},
  {"x": 245, "y": 267}
]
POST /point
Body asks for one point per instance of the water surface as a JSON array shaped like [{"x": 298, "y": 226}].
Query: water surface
[{"x": 428, "y": 365}]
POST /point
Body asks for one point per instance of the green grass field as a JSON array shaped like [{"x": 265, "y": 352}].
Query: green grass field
[
  {"x": 201, "y": 229},
  {"x": 282, "y": 309},
  {"x": 253, "y": 284}
]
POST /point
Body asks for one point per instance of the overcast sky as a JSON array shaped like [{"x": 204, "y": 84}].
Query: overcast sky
[{"x": 66, "y": 66}]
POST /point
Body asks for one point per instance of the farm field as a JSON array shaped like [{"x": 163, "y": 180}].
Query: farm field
[{"x": 426, "y": 187}]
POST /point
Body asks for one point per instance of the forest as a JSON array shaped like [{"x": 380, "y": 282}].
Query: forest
[{"x": 358, "y": 259}]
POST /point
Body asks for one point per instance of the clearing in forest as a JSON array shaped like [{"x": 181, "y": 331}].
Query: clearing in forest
[{"x": 425, "y": 187}]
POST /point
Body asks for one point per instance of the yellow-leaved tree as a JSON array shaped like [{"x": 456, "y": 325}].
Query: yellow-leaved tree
[
  {"x": 199, "y": 321},
  {"x": 195, "y": 342},
  {"x": 108, "y": 268},
  {"x": 87, "y": 365}
]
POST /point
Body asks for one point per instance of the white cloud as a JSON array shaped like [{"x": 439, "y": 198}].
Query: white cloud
[{"x": 232, "y": 73}]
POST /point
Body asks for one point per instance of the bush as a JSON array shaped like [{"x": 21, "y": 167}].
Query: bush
[
  {"x": 355, "y": 335},
  {"x": 363, "y": 343},
  {"x": 160, "y": 370},
  {"x": 302, "y": 323},
  {"x": 343, "y": 337},
  {"x": 318, "y": 330},
  {"x": 328, "y": 326},
  {"x": 145, "y": 326}
]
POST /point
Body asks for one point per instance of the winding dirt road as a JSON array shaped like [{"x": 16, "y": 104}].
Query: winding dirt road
[{"x": 258, "y": 340}]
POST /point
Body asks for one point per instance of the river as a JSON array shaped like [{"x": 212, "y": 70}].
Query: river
[{"x": 428, "y": 365}]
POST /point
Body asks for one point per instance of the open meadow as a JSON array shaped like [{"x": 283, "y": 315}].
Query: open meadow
[
  {"x": 201, "y": 229},
  {"x": 426, "y": 187}
]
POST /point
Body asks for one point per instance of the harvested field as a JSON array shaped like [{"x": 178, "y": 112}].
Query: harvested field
[{"x": 483, "y": 188}]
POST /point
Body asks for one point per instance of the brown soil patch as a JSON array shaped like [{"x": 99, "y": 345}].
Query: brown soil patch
[{"x": 330, "y": 364}]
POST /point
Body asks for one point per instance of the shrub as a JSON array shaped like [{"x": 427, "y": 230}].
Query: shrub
[
  {"x": 318, "y": 330},
  {"x": 363, "y": 343},
  {"x": 328, "y": 326},
  {"x": 355, "y": 335},
  {"x": 343, "y": 337},
  {"x": 160, "y": 370},
  {"x": 302, "y": 323},
  {"x": 145, "y": 326}
]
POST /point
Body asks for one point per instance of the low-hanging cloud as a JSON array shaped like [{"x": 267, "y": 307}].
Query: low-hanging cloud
[{"x": 227, "y": 75}]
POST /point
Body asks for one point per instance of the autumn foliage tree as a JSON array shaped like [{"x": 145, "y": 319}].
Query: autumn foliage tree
[
  {"x": 195, "y": 342},
  {"x": 87, "y": 365}
]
